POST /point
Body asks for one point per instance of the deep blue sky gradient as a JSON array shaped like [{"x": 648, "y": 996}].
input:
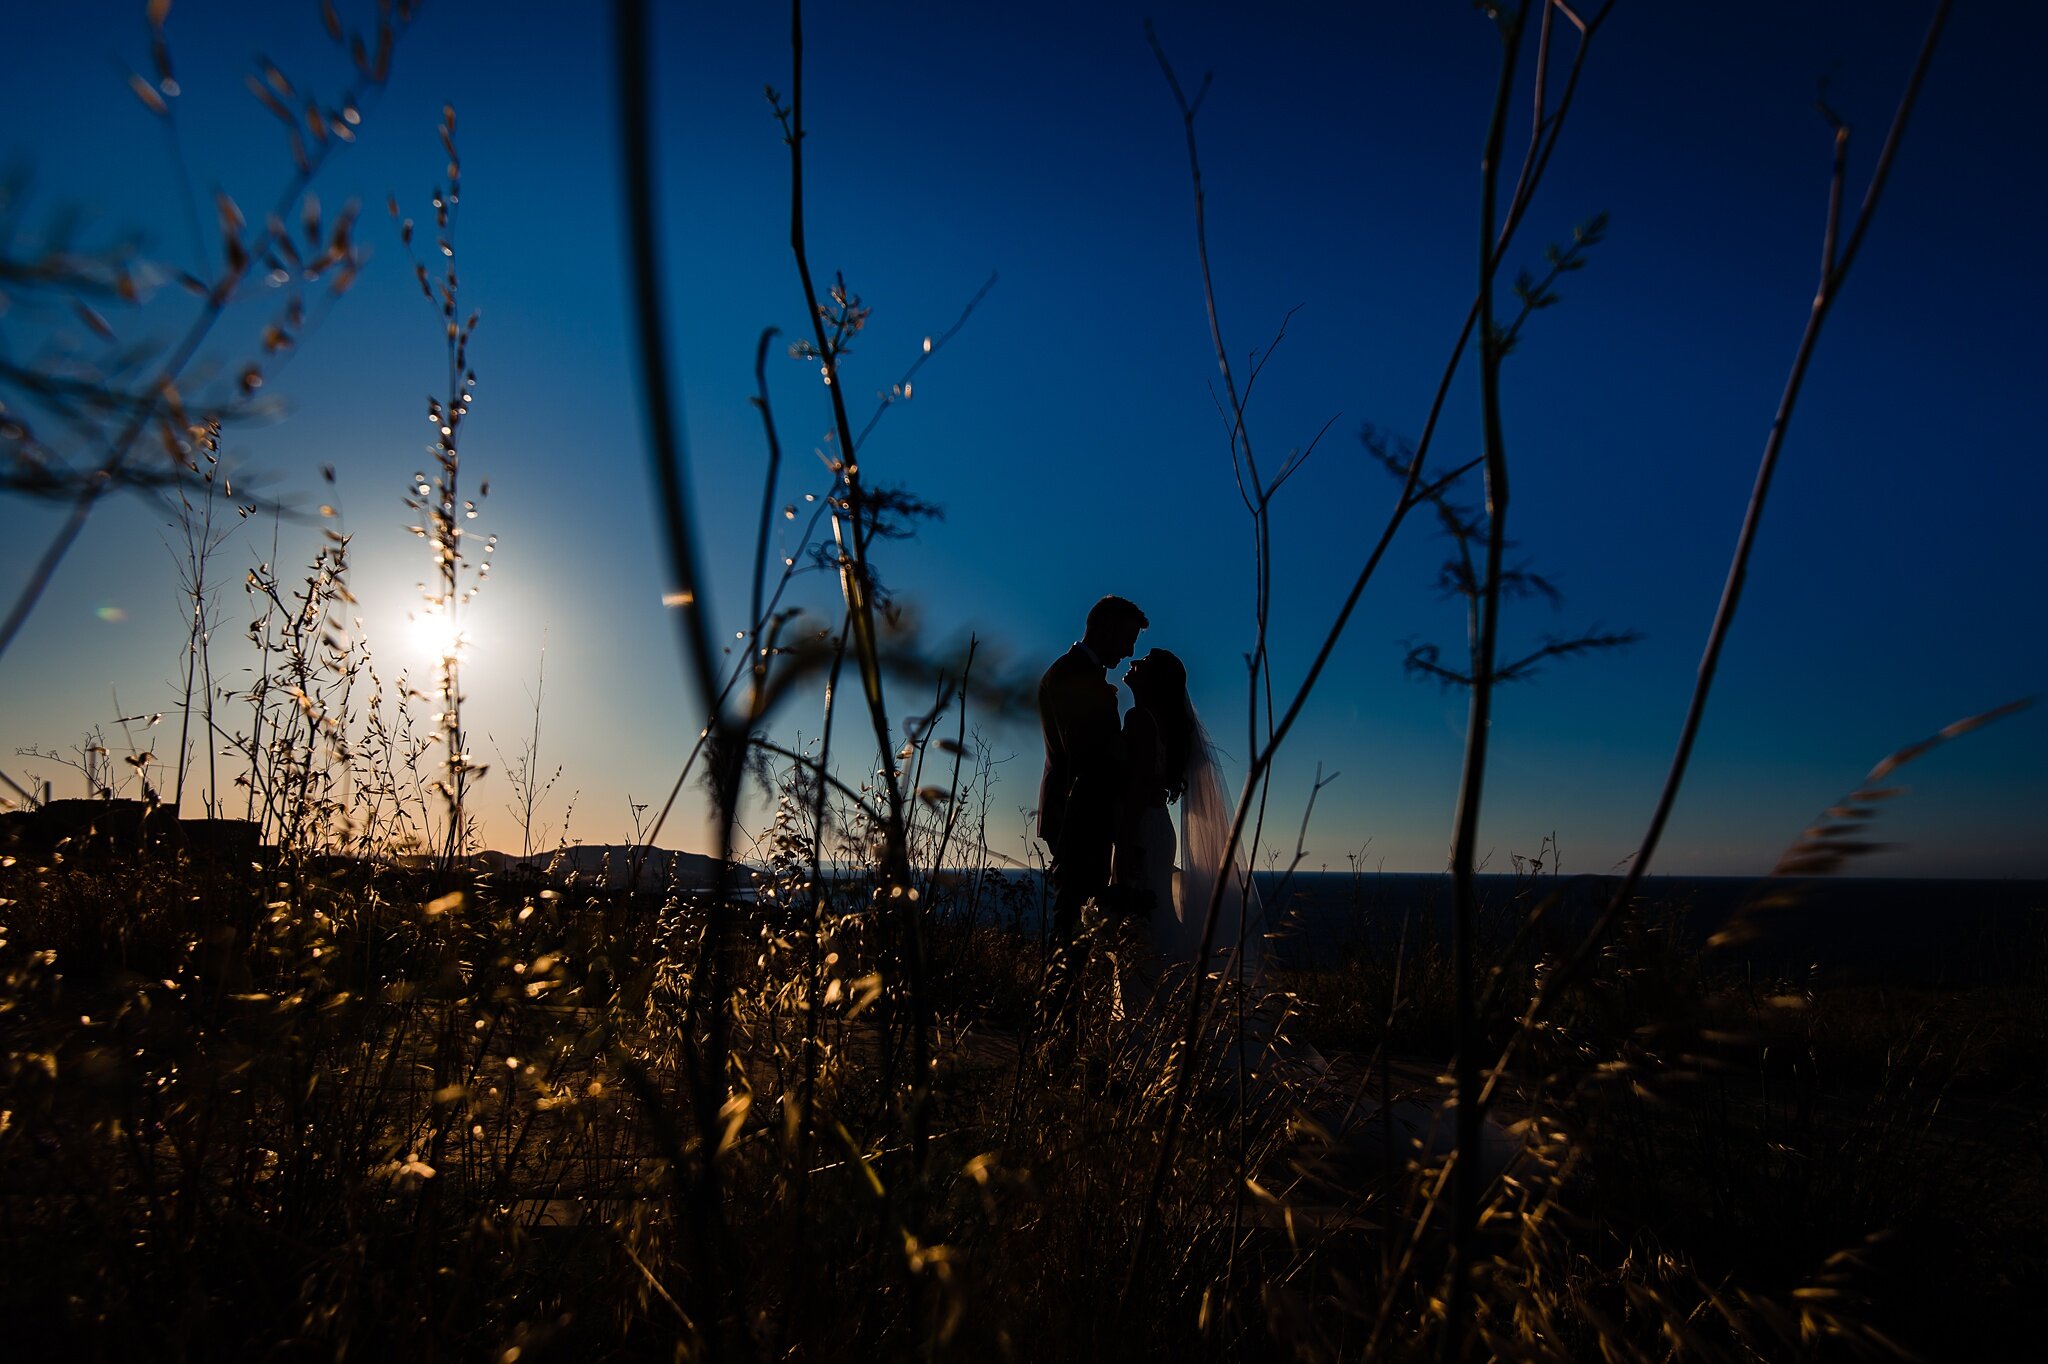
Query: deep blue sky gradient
[{"x": 1069, "y": 432}]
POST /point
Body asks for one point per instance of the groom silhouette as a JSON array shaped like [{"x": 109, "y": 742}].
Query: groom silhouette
[{"x": 1084, "y": 761}]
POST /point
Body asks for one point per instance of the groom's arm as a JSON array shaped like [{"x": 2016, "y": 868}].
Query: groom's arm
[
  {"x": 1081, "y": 713},
  {"x": 1095, "y": 744}
]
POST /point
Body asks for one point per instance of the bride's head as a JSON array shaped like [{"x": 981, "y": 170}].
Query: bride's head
[{"x": 1159, "y": 683}]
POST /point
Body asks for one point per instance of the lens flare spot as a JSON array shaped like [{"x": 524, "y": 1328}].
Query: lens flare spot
[{"x": 436, "y": 636}]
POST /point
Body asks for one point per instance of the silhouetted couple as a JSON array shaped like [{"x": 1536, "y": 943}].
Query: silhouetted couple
[{"x": 1103, "y": 804}]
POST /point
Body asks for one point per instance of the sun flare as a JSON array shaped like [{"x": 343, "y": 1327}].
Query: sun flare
[{"x": 434, "y": 635}]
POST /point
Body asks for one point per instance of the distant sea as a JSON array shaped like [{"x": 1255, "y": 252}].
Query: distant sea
[{"x": 1847, "y": 929}]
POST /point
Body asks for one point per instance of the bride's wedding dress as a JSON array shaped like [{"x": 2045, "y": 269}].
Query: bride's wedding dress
[
  {"x": 1252, "y": 1036},
  {"x": 1178, "y": 919},
  {"x": 1146, "y": 860}
]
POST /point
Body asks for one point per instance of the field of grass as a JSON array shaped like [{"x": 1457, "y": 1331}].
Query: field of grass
[
  {"x": 321, "y": 1081},
  {"x": 261, "y": 1112}
]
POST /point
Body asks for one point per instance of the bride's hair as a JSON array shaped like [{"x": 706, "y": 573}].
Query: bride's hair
[{"x": 1168, "y": 684}]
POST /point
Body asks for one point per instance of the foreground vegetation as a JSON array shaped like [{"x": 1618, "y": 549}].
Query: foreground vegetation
[
  {"x": 251, "y": 1112},
  {"x": 346, "y": 1091}
]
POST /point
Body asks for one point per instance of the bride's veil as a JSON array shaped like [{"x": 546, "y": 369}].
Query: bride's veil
[{"x": 1205, "y": 816}]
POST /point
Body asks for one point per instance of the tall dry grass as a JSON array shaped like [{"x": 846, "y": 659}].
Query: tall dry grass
[{"x": 362, "y": 1093}]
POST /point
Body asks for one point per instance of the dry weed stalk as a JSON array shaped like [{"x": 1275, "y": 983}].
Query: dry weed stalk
[
  {"x": 202, "y": 539},
  {"x": 441, "y": 511}
]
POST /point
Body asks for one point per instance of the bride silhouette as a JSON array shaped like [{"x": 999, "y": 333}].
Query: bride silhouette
[{"x": 1170, "y": 761}]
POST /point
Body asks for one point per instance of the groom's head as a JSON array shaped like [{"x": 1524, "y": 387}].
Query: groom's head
[{"x": 1113, "y": 626}]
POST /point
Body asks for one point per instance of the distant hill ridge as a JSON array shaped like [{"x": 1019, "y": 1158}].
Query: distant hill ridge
[{"x": 612, "y": 865}]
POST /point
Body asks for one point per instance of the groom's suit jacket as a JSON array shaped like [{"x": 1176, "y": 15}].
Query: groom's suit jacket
[{"x": 1084, "y": 760}]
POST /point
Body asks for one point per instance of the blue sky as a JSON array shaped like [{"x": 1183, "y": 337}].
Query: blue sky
[{"x": 1069, "y": 432}]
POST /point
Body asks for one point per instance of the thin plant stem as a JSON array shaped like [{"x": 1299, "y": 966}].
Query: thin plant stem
[
  {"x": 1472, "y": 780},
  {"x": 856, "y": 585},
  {"x": 959, "y": 752},
  {"x": 768, "y": 480},
  {"x": 719, "y": 1309}
]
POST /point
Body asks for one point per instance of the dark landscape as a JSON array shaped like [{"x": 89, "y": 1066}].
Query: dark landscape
[{"x": 674, "y": 953}]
